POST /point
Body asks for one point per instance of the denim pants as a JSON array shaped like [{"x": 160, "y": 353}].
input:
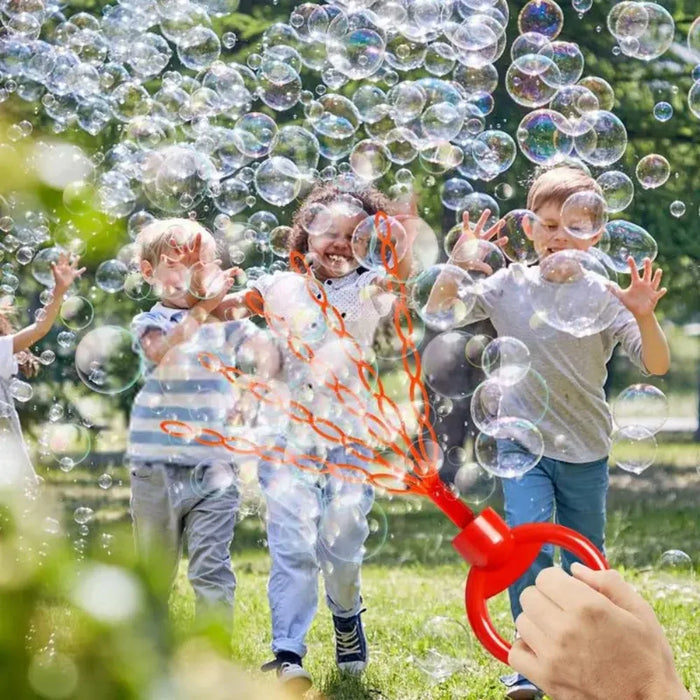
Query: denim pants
[
  {"x": 575, "y": 493},
  {"x": 315, "y": 522},
  {"x": 170, "y": 504}
]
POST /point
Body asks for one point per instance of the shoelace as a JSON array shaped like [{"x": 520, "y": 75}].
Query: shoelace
[{"x": 348, "y": 642}]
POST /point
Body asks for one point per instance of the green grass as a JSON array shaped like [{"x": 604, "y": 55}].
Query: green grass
[{"x": 415, "y": 576}]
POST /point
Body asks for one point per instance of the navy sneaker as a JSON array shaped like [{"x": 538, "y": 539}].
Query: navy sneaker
[
  {"x": 289, "y": 672},
  {"x": 520, "y": 688},
  {"x": 351, "y": 653}
]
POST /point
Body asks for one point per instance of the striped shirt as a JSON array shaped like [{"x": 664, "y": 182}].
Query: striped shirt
[{"x": 179, "y": 388}]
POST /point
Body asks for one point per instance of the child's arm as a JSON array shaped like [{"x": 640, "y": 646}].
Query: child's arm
[
  {"x": 239, "y": 305},
  {"x": 64, "y": 273},
  {"x": 640, "y": 298},
  {"x": 156, "y": 344}
]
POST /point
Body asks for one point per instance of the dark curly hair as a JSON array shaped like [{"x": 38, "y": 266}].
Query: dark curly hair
[{"x": 371, "y": 199}]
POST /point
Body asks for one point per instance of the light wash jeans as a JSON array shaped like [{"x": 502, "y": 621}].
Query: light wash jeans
[
  {"x": 575, "y": 493},
  {"x": 314, "y": 523},
  {"x": 172, "y": 503}
]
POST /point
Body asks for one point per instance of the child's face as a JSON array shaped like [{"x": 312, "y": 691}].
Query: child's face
[
  {"x": 549, "y": 235},
  {"x": 171, "y": 275},
  {"x": 331, "y": 251}
]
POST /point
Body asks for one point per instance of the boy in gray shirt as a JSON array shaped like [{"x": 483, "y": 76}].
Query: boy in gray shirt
[{"x": 571, "y": 479}]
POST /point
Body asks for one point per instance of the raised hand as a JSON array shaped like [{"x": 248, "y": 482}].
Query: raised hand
[
  {"x": 464, "y": 252},
  {"x": 643, "y": 294},
  {"x": 65, "y": 272}
]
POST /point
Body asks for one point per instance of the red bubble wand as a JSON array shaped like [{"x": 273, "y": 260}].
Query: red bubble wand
[{"x": 498, "y": 554}]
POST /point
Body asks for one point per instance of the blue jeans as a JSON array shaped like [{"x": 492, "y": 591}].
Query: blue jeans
[
  {"x": 575, "y": 493},
  {"x": 315, "y": 523}
]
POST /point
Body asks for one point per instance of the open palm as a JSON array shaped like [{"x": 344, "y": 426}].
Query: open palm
[{"x": 643, "y": 294}]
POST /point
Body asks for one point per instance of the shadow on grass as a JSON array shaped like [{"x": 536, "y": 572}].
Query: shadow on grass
[{"x": 341, "y": 686}]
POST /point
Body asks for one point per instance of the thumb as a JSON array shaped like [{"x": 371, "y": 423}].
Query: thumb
[{"x": 611, "y": 584}]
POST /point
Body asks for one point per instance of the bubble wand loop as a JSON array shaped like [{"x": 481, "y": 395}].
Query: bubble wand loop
[{"x": 498, "y": 555}]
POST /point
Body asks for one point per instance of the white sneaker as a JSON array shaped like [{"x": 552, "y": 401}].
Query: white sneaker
[{"x": 292, "y": 675}]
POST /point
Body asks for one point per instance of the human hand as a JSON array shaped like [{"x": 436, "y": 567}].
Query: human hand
[
  {"x": 218, "y": 288},
  {"x": 591, "y": 636},
  {"x": 65, "y": 271},
  {"x": 643, "y": 294},
  {"x": 466, "y": 250}
]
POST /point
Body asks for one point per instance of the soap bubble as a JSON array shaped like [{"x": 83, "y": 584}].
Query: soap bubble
[
  {"x": 111, "y": 275},
  {"x": 453, "y": 193},
  {"x": 527, "y": 398},
  {"x": 622, "y": 239},
  {"x": 104, "y": 481},
  {"x": 441, "y": 647},
  {"x": 618, "y": 190},
  {"x": 495, "y": 152},
  {"x": 83, "y": 515},
  {"x": 478, "y": 202},
  {"x": 506, "y": 359},
  {"x": 575, "y": 103},
  {"x": 653, "y": 171},
  {"x": 278, "y": 181},
  {"x": 694, "y": 98},
  {"x": 677, "y": 208},
  {"x": 474, "y": 484},
  {"x": 69, "y": 440},
  {"x": 370, "y": 159},
  {"x": 441, "y": 296},
  {"x": 199, "y": 48},
  {"x": 694, "y": 36},
  {"x": 532, "y": 80},
  {"x": 475, "y": 349},
  {"x": 105, "y": 360},
  {"x": 604, "y": 142},
  {"x": 645, "y": 30},
  {"x": 356, "y": 45},
  {"x": 633, "y": 448},
  {"x": 542, "y": 16},
  {"x": 663, "y": 111},
  {"x": 479, "y": 257},
  {"x": 367, "y": 242},
  {"x": 543, "y": 137},
  {"x": 601, "y": 89},
  {"x": 568, "y": 59},
  {"x": 76, "y": 313},
  {"x": 446, "y": 369},
  {"x": 584, "y": 214},
  {"x": 570, "y": 292},
  {"x": 41, "y": 265},
  {"x": 213, "y": 478},
  {"x": 641, "y": 405},
  {"x": 254, "y": 134},
  {"x": 513, "y": 447},
  {"x": 528, "y": 43},
  {"x": 676, "y": 560}
]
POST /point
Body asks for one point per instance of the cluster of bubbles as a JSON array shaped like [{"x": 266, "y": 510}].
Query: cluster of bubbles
[
  {"x": 196, "y": 129},
  {"x": 639, "y": 412}
]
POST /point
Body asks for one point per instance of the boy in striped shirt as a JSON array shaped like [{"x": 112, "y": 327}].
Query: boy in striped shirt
[{"x": 187, "y": 490}]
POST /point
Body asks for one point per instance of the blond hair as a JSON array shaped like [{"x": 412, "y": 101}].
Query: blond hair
[
  {"x": 558, "y": 184},
  {"x": 165, "y": 234}
]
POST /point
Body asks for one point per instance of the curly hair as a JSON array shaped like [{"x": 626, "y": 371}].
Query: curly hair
[
  {"x": 28, "y": 362},
  {"x": 371, "y": 199}
]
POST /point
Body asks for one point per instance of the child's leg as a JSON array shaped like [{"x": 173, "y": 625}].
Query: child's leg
[
  {"x": 581, "y": 492},
  {"x": 209, "y": 522},
  {"x": 343, "y": 530},
  {"x": 529, "y": 499},
  {"x": 292, "y": 532},
  {"x": 156, "y": 520}
]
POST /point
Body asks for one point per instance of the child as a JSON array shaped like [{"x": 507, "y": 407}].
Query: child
[
  {"x": 14, "y": 353},
  {"x": 571, "y": 479},
  {"x": 320, "y": 522},
  {"x": 187, "y": 489}
]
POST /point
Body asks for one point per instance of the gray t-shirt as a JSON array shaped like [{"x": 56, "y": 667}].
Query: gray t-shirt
[{"x": 577, "y": 424}]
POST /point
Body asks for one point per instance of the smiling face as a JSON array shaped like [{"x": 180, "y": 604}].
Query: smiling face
[
  {"x": 331, "y": 251},
  {"x": 548, "y": 234}
]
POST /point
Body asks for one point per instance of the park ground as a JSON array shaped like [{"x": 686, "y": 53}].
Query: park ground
[{"x": 413, "y": 576}]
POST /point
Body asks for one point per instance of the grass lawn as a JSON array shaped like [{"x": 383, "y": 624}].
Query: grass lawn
[{"x": 414, "y": 576}]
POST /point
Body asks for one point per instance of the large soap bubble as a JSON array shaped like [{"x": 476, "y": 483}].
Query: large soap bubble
[
  {"x": 445, "y": 366},
  {"x": 532, "y": 80},
  {"x": 541, "y": 16},
  {"x": 641, "y": 405},
  {"x": 618, "y": 190},
  {"x": 584, "y": 214},
  {"x": 512, "y": 448},
  {"x": 544, "y": 137},
  {"x": 570, "y": 292},
  {"x": 622, "y": 239},
  {"x": 605, "y": 140},
  {"x": 106, "y": 360},
  {"x": 653, "y": 171},
  {"x": 442, "y": 296}
]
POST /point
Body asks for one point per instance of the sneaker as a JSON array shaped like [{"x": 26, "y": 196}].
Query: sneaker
[
  {"x": 520, "y": 688},
  {"x": 351, "y": 653},
  {"x": 289, "y": 672}
]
